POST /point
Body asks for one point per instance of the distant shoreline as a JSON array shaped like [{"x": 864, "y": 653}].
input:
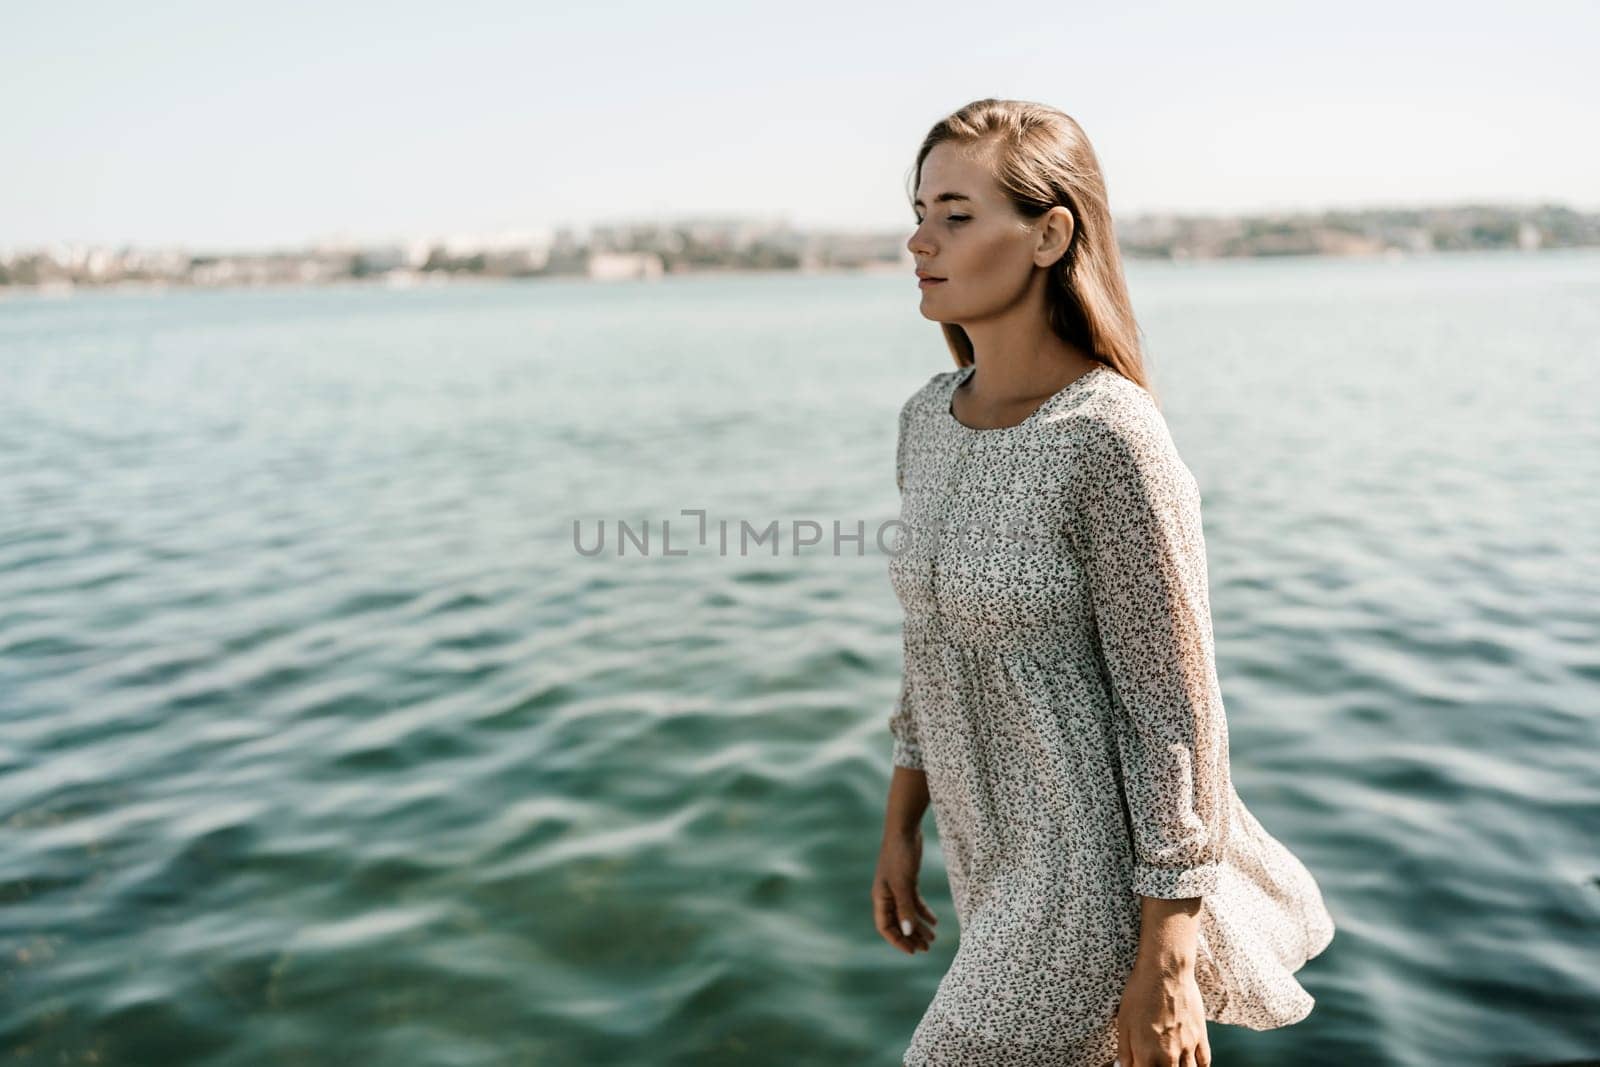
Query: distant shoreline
[
  {"x": 449, "y": 279},
  {"x": 721, "y": 246}
]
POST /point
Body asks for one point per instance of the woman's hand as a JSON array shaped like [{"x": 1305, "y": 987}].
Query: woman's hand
[
  {"x": 895, "y": 900},
  {"x": 1161, "y": 1021}
]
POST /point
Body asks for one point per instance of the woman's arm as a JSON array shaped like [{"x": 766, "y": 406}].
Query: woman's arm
[
  {"x": 903, "y": 918},
  {"x": 908, "y": 802},
  {"x": 1137, "y": 530},
  {"x": 1161, "y": 1018},
  {"x": 1168, "y": 934},
  {"x": 1136, "y": 526}
]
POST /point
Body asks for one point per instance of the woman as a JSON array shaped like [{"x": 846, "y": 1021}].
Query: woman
[{"x": 1060, "y": 708}]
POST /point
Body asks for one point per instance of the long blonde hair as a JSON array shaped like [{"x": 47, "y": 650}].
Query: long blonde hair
[{"x": 1044, "y": 160}]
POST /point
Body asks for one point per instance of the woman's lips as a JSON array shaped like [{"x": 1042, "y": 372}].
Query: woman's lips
[{"x": 924, "y": 283}]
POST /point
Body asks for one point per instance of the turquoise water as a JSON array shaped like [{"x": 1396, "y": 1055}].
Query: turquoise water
[{"x": 324, "y": 744}]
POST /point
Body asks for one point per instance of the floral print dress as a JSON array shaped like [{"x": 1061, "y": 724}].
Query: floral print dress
[{"x": 1060, "y": 693}]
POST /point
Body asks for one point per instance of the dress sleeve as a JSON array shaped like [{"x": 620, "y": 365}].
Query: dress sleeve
[
  {"x": 902, "y": 721},
  {"x": 903, "y": 728},
  {"x": 1136, "y": 525}
]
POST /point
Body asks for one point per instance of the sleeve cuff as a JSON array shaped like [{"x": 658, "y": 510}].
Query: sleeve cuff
[
  {"x": 1175, "y": 883},
  {"x": 907, "y": 754}
]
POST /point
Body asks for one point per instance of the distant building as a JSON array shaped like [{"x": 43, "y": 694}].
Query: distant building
[{"x": 612, "y": 266}]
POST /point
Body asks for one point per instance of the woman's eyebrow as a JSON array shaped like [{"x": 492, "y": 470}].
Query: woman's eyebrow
[{"x": 942, "y": 197}]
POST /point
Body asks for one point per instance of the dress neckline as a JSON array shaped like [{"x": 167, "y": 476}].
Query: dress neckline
[{"x": 967, "y": 372}]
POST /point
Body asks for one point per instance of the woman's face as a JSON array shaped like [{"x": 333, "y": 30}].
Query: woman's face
[{"x": 969, "y": 235}]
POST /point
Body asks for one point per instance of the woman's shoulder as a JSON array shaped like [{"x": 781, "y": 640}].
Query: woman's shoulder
[
  {"x": 1116, "y": 424},
  {"x": 927, "y": 396},
  {"x": 1112, "y": 405}
]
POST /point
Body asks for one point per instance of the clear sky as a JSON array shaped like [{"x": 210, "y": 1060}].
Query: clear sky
[{"x": 228, "y": 125}]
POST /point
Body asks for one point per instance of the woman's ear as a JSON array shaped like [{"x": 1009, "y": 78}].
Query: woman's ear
[{"x": 1055, "y": 235}]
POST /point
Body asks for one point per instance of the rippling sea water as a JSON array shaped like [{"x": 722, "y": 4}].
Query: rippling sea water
[{"x": 323, "y": 743}]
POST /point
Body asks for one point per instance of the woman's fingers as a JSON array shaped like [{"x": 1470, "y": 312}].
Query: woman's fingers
[
  {"x": 915, "y": 933},
  {"x": 908, "y": 904},
  {"x": 883, "y": 913},
  {"x": 887, "y": 913}
]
